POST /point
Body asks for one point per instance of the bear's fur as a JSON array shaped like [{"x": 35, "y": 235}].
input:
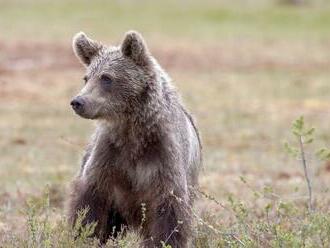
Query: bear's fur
[{"x": 145, "y": 149}]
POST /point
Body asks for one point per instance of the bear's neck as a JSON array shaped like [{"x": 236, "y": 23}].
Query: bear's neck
[
  {"x": 146, "y": 123},
  {"x": 149, "y": 118}
]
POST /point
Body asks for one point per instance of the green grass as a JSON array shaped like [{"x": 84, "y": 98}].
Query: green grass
[{"x": 200, "y": 20}]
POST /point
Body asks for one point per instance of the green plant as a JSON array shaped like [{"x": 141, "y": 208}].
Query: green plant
[{"x": 304, "y": 137}]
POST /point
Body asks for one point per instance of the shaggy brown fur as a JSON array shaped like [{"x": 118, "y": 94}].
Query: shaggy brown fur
[{"x": 145, "y": 149}]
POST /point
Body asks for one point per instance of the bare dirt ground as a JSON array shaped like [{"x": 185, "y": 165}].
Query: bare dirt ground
[{"x": 229, "y": 54}]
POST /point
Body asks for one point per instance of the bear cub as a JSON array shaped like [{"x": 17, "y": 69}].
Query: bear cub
[{"x": 145, "y": 150}]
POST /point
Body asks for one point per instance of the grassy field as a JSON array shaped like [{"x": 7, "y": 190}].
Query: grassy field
[{"x": 245, "y": 69}]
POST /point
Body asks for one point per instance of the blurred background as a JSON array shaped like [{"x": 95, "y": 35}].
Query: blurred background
[{"x": 245, "y": 69}]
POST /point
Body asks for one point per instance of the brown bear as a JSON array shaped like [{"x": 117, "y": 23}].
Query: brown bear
[{"x": 145, "y": 150}]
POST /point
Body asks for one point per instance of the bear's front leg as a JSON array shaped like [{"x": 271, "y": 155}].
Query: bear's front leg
[
  {"x": 171, "y": 224},
  {"x": 85, "y": 196}
]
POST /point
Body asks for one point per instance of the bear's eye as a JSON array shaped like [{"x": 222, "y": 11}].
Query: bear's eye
[
  {"x": 105, "y": 79},
  {"x": 85, "y": 78}
]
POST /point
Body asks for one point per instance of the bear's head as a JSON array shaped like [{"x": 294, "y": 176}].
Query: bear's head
[{"x": 116, "y": 79}]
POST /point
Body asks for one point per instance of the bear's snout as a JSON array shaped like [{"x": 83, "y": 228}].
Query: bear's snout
[{"x": 77, "y": 104}]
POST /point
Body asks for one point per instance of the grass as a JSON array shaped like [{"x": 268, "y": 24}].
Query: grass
[
  {"x": 201, "y": 20},
  {"x": 246, "y": 71}
]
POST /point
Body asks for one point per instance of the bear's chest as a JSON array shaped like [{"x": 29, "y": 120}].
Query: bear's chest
[{"x": 119, "y": 169}]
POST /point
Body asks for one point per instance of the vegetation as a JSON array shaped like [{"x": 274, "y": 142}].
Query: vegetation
[{"x": 246, "y": 69}]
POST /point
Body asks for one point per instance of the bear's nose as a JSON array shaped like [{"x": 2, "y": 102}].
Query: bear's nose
[{"x": 77, "y": 104}]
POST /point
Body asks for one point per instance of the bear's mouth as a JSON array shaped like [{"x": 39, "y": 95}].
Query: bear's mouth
[
  {"x": 90, "y": 115},
  {"x": 84, "y": 114}
]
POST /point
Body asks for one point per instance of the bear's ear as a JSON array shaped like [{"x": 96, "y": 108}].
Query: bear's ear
[
  {"x": 134, "y": 47},
  {"x": 85, "y": 48}
]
